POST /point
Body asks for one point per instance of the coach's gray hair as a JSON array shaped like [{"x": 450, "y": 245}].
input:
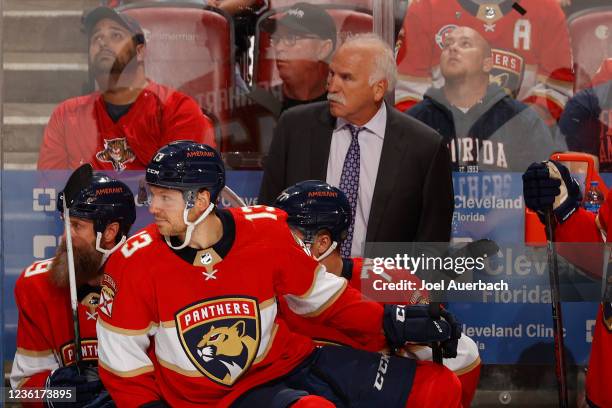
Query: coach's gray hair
[{"x": 384, "y": 61}]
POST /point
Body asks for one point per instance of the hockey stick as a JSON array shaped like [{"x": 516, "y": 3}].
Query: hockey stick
[
  {"x": 436, "y": 348},
  {"x": 78, "y": 180},
  {"x": 553, "y": 272}
]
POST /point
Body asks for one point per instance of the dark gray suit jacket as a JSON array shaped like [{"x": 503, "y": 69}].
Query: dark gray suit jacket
[{"x": 413, "y": 195}]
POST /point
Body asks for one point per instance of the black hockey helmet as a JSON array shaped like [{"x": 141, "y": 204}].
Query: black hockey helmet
[
  {"x": 104, "y": 201},
  {"x": 313, "y": 206},
  {"x": 187, "y": 166}
]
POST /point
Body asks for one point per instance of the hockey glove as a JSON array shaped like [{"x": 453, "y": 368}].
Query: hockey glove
[
  {"x": 103, "y": 400},
  {"x": 449, "y": 347},
  {"x": 549, "y": 184},
  {"x": 86, "y": 391},
  {"x": 413, "y": 324}
]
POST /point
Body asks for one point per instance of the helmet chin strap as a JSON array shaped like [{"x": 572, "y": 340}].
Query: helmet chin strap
[
  {"x": 325, "y": 254},
  {"x": 190, "y": 226},
  {"x": 107, "y": 252}
]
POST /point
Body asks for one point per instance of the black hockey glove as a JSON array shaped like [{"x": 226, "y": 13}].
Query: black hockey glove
[
  {"x": 103, "y": 400},
  {"x": 414, "y": 324},
  {"x": 549, "y": 184},
  {"x": 86, "y": 389},
  {"x": 449, "y": 347}
]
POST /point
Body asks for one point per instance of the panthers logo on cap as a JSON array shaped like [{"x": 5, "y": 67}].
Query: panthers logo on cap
[{"x": 220, "y": 336}]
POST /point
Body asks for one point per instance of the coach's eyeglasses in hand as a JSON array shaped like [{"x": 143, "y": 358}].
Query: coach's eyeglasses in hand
[{"x": 289, "y": 40}]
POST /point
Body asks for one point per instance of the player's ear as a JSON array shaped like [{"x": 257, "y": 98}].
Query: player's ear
[
  {"x": 110, "y": 235},
  {"x": 203, "y": 199},
  {"x": 323, "y": 241}
]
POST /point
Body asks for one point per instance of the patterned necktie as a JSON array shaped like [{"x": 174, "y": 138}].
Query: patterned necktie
[{"x": 349, "y": 184}]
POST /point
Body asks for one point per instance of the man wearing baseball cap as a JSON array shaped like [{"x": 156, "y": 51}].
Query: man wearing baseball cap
[
  {"x": 123, "y": 124},
  {"x": 303, "y": 38}
]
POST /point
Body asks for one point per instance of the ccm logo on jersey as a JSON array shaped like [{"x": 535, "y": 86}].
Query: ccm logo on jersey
[{"x": 220, "y": 336}]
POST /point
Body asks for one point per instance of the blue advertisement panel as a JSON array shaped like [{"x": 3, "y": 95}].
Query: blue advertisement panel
[{"x": 506, "y": 326}]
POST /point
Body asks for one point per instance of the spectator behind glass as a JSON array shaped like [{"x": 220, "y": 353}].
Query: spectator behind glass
[
  {"x": 121, "y": 126},
  {"x": 303, "y": 39},
  {"x": 395, "y": 171},
  {"x": 531, "y": 51},
  {"x": 484, "y": 127},
  {"x": 586, "y": 121}
]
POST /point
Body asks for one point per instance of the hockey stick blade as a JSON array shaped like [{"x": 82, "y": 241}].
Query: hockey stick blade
[{"x": 79, "y": 179}]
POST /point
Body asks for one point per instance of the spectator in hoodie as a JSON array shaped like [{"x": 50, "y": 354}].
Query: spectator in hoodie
[
  {"x": 485, "y": 128},
  {"x": 586, "y": 123}
]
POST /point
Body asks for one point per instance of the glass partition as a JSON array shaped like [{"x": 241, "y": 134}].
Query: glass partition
[{"x": 503, "y": 83}]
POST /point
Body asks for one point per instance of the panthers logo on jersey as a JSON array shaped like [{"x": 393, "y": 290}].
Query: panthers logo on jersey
[
  {"x": 117, "y": 152},
  {"x": 220, "y": 336},
  {"x": 507, "y": 70}
]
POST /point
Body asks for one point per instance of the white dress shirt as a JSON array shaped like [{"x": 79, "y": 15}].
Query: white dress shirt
[{"x": 370, "y": 146}]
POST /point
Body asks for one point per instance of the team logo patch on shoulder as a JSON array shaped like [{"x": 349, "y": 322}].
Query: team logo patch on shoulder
[
  {"x": 107, "y": 296},
  {"x": 220, "y": 336}
]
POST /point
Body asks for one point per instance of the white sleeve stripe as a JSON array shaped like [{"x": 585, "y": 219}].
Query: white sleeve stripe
[
  {"x": 150, "y": 330},
  {"x": 267, "y": 318},
  {"x": 25, "y": 366},
  {"x": 127, "y": 374},
  {"x": 122, "y": 353},
  {"x": 325, "y": 288},
  {"x": 169, "y": 349}
]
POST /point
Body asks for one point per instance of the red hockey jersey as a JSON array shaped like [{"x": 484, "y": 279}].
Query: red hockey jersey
[
  {"x": 80, "y": 130},
  {"x": 357, "y": 276},
  {"x": 531, "y": 52},
  {"x": 202, "y": 327},
  {"x": 45, "y": 331},
  {"x": 581, "y": 227}
]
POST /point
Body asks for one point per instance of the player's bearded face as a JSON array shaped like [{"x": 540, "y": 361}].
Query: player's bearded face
[{"x": 87, "y": 262}]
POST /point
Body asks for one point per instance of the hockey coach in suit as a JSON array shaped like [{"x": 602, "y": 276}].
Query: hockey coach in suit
[{"x": 395, "y": 171}]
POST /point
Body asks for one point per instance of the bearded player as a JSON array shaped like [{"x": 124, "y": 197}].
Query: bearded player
[
  {"x": 549, "y": 185},
  {"x": 194, "y": 318},
  {"x": 100, "y": 219},
  {"x": 529, "y": 41},
  {"x": 319, "y": 214}
]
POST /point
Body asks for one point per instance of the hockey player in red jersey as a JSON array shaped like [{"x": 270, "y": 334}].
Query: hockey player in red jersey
[
  {"x": 530, "y": 41},
  {"x": 549, "y": 185},
  {"x": 123, "y": 124},
  {"x": 190, "y": 315},
  {"x": 319, "y": 214},
  {"x": 101, "y": 217}
]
